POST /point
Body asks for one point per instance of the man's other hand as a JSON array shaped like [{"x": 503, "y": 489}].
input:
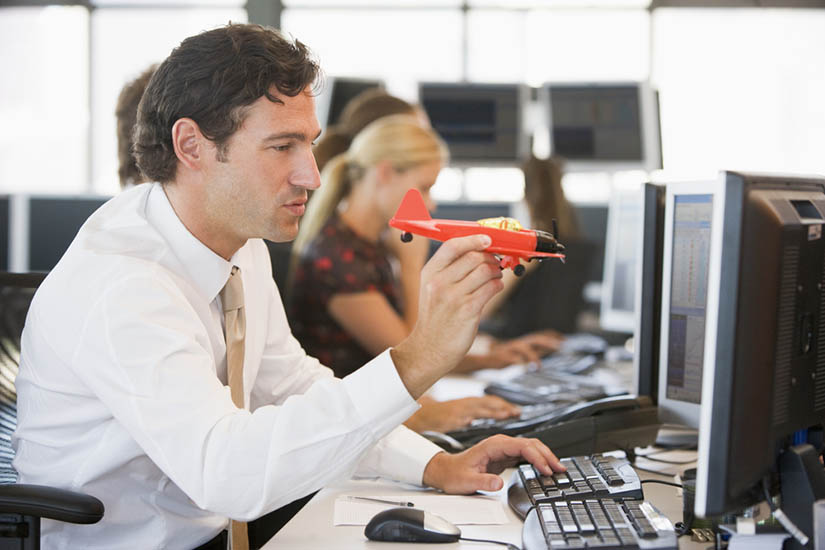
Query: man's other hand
[
  {"x": 477, "y": 468},
  {"x": 455, "y": 284}
]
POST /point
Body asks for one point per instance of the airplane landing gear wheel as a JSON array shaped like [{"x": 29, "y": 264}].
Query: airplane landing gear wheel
[
  {"x": 406, "y": 237},
  {"x": 519, "y": 270}
]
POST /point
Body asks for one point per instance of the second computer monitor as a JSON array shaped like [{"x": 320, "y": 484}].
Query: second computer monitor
[
  {"x": 481, "y": 123},
  {"x": 689, "y": 219},
  {"x": 604, "y": 126},
  {"x": 618, "y": 303}
]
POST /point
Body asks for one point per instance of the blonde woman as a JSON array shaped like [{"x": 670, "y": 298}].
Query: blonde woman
[{"x": 347, "y": 302}]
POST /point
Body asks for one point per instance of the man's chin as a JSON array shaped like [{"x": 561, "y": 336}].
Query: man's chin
[{"x": 283, "y": 234}]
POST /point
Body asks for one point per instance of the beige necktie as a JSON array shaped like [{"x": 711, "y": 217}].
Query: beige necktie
[{"x": 235, "y": 329}]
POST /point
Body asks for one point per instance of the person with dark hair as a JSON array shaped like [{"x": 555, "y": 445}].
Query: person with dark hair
[
  {"x": 126, "y": 113},
  {"x": 158, "y": 372},
  {"x": 358, "y": 113}
]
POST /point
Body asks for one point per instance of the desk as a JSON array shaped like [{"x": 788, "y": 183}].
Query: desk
[{"x": 312, "y": 528}]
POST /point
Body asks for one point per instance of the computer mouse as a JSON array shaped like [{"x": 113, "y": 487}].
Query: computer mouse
[{"x": 410, "y": 525}]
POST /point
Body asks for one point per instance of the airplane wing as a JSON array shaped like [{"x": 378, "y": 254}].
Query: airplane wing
[{"x": 522, "y": 253}]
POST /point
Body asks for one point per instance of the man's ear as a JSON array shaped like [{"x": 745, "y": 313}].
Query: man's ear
[{"x": 188, "y": 142}]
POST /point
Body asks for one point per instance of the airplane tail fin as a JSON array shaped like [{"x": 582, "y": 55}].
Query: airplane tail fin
[{"x": 412, "y": 207}]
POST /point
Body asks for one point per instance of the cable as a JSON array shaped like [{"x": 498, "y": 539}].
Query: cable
[
  {"x": 672, "y": 484},
  {"x": 780, "y": 516},
  {"x": 502, "y": 543}
]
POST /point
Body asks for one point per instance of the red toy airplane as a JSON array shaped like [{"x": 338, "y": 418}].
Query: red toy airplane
[{"x": 510, "y": 241}]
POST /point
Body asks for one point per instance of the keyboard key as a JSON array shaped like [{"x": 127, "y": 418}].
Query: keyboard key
[
  {"x": 548, "y": 481},
  {"x": 562, "y": 479},
  {"x": 557, "y": 541}
]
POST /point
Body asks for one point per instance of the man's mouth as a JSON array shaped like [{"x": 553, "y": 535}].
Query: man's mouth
[{"x": 296, "y": 207}]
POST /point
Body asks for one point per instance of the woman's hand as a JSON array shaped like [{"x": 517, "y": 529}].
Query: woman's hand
[{"x": 445, "y": 416}]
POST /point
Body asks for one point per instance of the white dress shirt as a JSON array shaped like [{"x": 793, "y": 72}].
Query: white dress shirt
[{"x": 122, "y": 395}]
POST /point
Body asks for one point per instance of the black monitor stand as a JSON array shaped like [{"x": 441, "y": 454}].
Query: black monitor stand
[{"x": 802, "y": 482}]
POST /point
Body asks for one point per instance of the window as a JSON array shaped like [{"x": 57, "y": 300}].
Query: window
[
  {"x": 747, "y": 95},
  {"x": 69, "y": 63},
  {"x": 44, "y": 99}
]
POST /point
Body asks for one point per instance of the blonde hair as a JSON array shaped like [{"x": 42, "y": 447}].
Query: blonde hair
[{"x": 399, "y": 139}]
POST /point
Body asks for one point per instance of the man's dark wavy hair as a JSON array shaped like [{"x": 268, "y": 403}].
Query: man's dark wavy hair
[{"x": 212, "y": 78}]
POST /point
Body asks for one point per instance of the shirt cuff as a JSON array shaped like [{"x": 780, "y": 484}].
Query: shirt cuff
[
  {"x": 379, "y": 395},
  {"x": 401, "y": 456}
]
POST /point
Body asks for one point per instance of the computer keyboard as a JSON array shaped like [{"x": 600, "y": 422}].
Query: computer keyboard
[
  {"x": 587, "y": 477},
  {"x": 605, "y": 524},
  {"x": 568, "y": 363},
  {"x": 545, "y": 387},
  {"x": 583, "y": 343}
]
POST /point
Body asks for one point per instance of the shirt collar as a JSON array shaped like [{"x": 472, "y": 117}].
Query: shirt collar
[{"x": 207, "y": 271}]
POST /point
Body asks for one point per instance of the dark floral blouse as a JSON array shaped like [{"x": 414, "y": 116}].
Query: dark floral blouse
[{"x": 337, "y": 261}]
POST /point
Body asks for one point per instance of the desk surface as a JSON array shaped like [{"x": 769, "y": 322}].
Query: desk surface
[{"x": 312, "y": 527}]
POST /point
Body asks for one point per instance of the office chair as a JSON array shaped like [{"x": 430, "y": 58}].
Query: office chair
[{"x": 22, "y": 506}]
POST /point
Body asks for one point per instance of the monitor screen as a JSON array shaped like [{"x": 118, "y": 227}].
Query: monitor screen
[
  {"x": 688, "y": 296},
  {"x": 592, "y": 220},
  {"x": 336, "y": 93},
  {"x": 481, "y": 123},
  {"x": 621, "y": 250},
  {"x": 688, "y": 231},
  {"x": 603, "y": 125},
  {"x": 763, "y": 394},
  {"x": 53, "y": 224},
  {"x": 343, "y": 90}
]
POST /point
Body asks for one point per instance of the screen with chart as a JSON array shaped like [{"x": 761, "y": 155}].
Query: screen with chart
[{"x": 688, "y": 296}]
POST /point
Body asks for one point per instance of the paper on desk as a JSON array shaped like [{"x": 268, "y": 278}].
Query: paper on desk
[
  {"x": 461, "y": 510},
  {"x": 685, "y": 459}
]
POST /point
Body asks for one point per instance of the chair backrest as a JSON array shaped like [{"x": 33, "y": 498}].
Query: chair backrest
[
  {"x": 550, "y": 297},
  {"x": 16, "y": 292}
]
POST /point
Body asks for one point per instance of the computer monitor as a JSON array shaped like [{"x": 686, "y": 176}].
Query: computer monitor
[
  {"x": 764, "y": 377},
  {"x": 592, "y": 220},
  {"x": 618, "y": 301},
  {"x": 481, "y": 123},
  {"x": 337, "y": 92},
  {"x": 689, "y": 224},
  {"x": 53, "y": 222},
  {"x": 648, "y": 291},
  {"x": 604, "y": 126}
]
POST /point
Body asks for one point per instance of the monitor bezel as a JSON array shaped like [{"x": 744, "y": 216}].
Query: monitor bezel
[
  {"x": 648, "y": 300},
  {"x": 674, "y": 410}
]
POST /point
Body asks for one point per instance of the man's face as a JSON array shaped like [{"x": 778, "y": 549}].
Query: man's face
[{"x": 260, "y": 187}]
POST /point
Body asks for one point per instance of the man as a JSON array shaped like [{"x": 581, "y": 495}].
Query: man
[{"x": 158, "y": 372}]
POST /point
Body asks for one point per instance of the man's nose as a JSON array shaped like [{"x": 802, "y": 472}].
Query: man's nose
[{"x": 306, "y": 174}]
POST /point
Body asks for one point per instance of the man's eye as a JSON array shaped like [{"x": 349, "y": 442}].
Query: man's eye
[{"x": 282, "y": 148}]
